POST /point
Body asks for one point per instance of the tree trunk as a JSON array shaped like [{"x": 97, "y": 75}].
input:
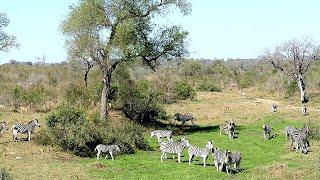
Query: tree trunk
[
  {"x": 302, "y": 87},
  {"x": 86, "y": 78},
  {"x": 104, "y": 98}
]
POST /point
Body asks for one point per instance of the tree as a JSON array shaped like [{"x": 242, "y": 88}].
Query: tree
[
  {"x": 6, "y": 41},
  {"x": 294, "y": 58},
  {"x": 111, "y": 32}
]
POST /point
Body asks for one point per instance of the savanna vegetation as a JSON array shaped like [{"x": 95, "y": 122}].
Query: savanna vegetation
[{"x": 117, "y": 87}]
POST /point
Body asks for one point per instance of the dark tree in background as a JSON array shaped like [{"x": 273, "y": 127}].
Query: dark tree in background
[
  {"x": 110, "y": 32},
  {"x": 294, "y": 58}
]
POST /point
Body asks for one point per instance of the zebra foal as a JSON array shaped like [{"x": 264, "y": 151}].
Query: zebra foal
[{"x": 24, "y": 129}]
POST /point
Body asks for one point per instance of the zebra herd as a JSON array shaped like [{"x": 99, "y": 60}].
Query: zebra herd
[
  {"x": 20, "y": 128},
  {"x": 225, "y": 159}
]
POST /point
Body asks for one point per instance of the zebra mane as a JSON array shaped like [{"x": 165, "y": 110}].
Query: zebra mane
[{"x": 31, "y": 121}]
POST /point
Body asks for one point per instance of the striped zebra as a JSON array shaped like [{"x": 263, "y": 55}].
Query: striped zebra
[
  {"x": 266, "y": 131},
  {"x": 306, "y": 131},
  {"x": 289, "y": 131},
  {"x": 106, "y": 149},
  {"x": 219, "y": 158},
  {"x": 228, "y": 128},
  {"x": 299, "y": 142},
  {"x": 232, "y": 158},
  {"x": 174, "y": 148},
  {"x": 198, "y": 152},
  {"x": 183, "y": 118},
  {"x": 3, "y": 127},
  {"x": 24, "y": 129},
  {"x": 161, "y": 133}
]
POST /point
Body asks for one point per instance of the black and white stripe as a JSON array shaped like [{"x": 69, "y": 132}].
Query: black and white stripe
[
  {"x": 106, "y": 149},
  {"x": 173, "y": 148},
  {"x": 3, "y": 127},
  {"x": 198, "y": 152},
  {"x": 219, "y": 159},
  {"x": 161, "y": 133},
  {"x": 232, "y": 158},
  {"x": 266, "y": 131},
  {"x": 24, "y": 129}
]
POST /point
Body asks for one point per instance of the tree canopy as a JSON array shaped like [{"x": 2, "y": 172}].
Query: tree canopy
[
  {"x": 6, "y": 41},
  {"x": 110, "y": 32}
]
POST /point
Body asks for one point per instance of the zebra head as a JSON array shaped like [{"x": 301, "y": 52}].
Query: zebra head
[
  {"x": 227, "y": 157},
  {"x": 36, "y": 122},
  {"x": 306, "y": 130},
  {"x": 209, "y": 145}
]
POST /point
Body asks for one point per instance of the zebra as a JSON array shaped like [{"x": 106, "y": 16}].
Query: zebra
[
  {"x": 306, "y": 131},
  {"x": 3, "y": 127},
  {"x": 23, "y": 129},
  {"x": 299, "y": 142},
  {"x": 106, "y": 148},
  {"x": 232, "y": 158},
  {"x": 218, "y": 157},
  {"x": 196, "y": 151},
  {"x": 173, "y": 148},
  {"x": 289, "y": 131},
  {"x": 273, "y": 107},
  {"x": 183, "y": 118},
  {"x": 228, "y": 128},
  {"x": 161, "y": 133},
  {"x": 266, "y": 131}
]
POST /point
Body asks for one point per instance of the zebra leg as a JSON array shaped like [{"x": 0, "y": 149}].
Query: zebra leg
[
  {"x": 179, "y": 157},
  {"x": 98, "y": 154},
  {"x": 190, "y": 158},
  {"x": 161, "y": 157},
  {"x": 29, "y": 135},
  {"x": 183, "y": 123},
  {"x": 111, "y": 155},
  {"x": 106, "y": 156},
  {"x": 204, "y": 161}
]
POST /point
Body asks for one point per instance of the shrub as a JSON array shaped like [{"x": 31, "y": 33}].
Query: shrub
[
  {"x": 314, "y": 131},
  {"x": 77, "y": 95},
  {"x": 4, "y": 175},
  {"x": 248, "y": 79},
  {"x": 71, "y": 129},
  {"x": 209, "y": 86},
  {"x": 139, "y": 103},
  {"x": 290, "y": 88},
  {"x": 182, "y": 91}
]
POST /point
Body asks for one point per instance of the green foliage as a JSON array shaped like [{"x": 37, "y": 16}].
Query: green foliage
[
  {"x": 209, "y": 86},
  {"x": 248, "y": 79},
  {"x": 314, "y": 130},
  {"x": 77, "y": 95},
  {"x": 290, "y": 88},
  {"x": 34, "y": 95},
  {"x": 191, "y": 68},
  {"x": 182, "y": 91},
  {"x": 4, "y": 175},
  {"x": 139, "y": 103},
  {"x": 72, "y": 129},
  {"x": 6, "y": 41}
]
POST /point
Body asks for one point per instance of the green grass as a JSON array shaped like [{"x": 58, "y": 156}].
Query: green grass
[{"x": 262, "y": 159}]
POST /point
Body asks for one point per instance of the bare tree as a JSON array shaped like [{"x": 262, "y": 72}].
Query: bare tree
[{"x": 294, "y": 58}]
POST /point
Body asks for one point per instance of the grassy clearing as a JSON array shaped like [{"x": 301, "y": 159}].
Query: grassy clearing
[{"x": 262, "y": 159}]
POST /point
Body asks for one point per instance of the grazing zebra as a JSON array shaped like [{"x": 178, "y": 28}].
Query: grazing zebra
[
  {"x": 266, "y": 131},
  {"x": 228, "y": 128},
  {"x": 273, "y": 107},
  {"x": 218, "y": 157},
  {"x": 174, "y": 148},
  {"x": 161, "y": 133},
  {"x": 299, "y": 142},
  {"x": 196, "y": 151},
  {"x": 23, "y": 129},
  {"x": 106, "y": 149},
  {"x": 289, "y": 131},
  {"x": 306, "y": 131},
  {"x": 232, "y": 158},
  {"x": 3, "y": 127},
  {"x": 183, "y": 118}
]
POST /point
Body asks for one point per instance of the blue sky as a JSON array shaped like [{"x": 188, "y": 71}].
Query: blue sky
[{"x": 218, "y": 28}]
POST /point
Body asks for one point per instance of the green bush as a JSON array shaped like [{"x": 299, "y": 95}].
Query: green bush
[
  {"x": 290, "y": 89},
  {"x": 182, "y": 91},
  {"x": 139, "y": 103},
  {"x": 248, "y": 79},
  {"x": 77, "y": 95},
  {"x": 71, "y": 129},
  {"x": 4, "y": 175},
  {"x": 314, "y": 131},
  {"x": 209, "y": 86}
]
